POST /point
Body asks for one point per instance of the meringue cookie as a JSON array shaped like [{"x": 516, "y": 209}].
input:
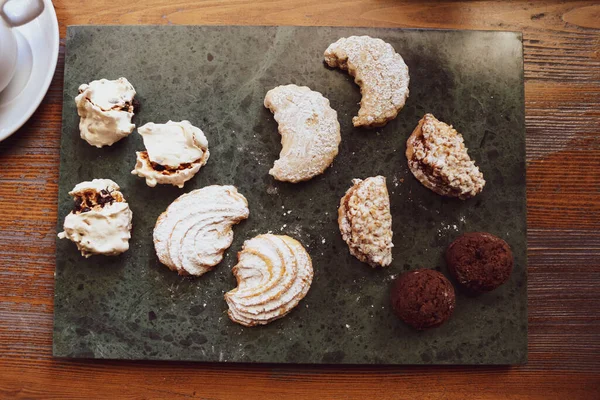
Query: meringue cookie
[
  {"x": 274, "y": 272},
  {"x": 105, "y": 109},
  {"x": 101, "y": 220},
  {"x": 191, "y": 236},
  {"x": 438, "y": 158},
  {"x": 175, "y": 153}
]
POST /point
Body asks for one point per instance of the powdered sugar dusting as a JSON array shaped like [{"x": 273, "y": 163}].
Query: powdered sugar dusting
[
  {"x": 438, "y": 158},
  {"x": 378, "y": 70},
  {"x": 366, "y": 221},
  {"x": 310, "y": 132}
]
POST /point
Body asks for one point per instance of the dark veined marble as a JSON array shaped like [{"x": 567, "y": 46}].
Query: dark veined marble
[{"x": 132, "y": 307}]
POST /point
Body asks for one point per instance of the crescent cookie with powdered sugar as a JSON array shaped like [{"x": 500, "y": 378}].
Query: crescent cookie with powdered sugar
[
  {"x": 379, "y": 71},
  {"x": 310, "y": 132}
]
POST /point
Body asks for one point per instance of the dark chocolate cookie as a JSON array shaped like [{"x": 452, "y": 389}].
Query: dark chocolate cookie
[
  {"x": 479, "y": 261},
  {"x": 423, "y": 298}
]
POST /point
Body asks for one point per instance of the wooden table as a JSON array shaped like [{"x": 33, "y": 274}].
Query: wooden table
[{"x": 562, "y": 86}]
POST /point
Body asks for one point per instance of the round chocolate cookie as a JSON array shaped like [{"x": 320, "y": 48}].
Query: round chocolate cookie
[
  {"x": 423, "y": 298},
  {"x": 479, "y": 261}
]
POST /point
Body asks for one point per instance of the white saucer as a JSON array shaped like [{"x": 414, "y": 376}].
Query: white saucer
[{"x": 38, "y": 53}]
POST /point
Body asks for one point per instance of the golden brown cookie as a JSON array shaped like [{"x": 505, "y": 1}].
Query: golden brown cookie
[
  {"x": 379, "y": 71},
  {"x": 274, "y": 273},
  {"x": 438, "y": 158},
  {"x": 366, "y": 222}
]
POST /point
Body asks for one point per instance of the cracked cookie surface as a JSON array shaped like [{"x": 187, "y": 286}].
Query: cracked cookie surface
[
  {"x": 310, "y": 132},
  {"x": 365, "y": 221},
  {"x": 100, "y": 222},
  {"x": 438, "y": 158},
  {"x": 379, "y": 71},
  {"x": 105, "y": 109},
  {"x": 175, "y": 152}
]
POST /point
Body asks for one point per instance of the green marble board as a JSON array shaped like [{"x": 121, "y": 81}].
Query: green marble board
[{"x": 132, "y": 307}]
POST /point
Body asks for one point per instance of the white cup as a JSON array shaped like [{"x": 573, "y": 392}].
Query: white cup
[{"x": 13, "y": 13}]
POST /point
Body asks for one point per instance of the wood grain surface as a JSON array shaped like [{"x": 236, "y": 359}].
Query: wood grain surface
[{"x": 562, "y": 71}]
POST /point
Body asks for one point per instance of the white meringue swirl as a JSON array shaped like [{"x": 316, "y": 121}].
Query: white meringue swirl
[
  {"x": 274, "y": 272},
  {"x": 191, "y": 236}
]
